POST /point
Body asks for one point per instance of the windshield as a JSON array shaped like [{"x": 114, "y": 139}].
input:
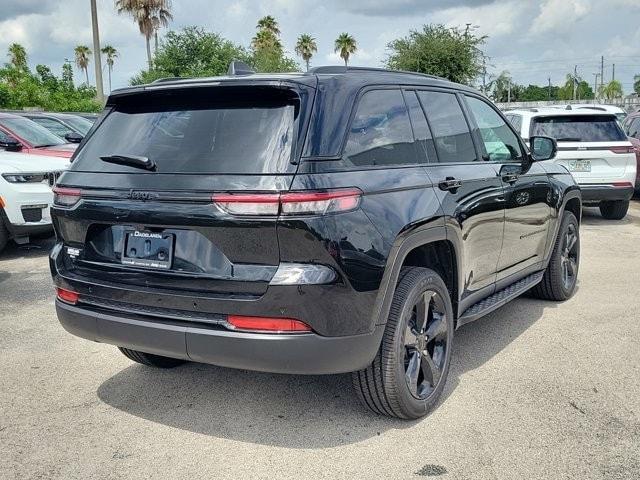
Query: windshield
[
  {"x": 579, "y": 128},
  {"x": 34, "y": 134},
  {"x": 198, "y": 132},
  {"x": 82, "y": 125}
]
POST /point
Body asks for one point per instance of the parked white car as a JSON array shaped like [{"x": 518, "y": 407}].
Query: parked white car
[
  {"x": 593, "y": 147},
  {"x": 25, "y": 194}
]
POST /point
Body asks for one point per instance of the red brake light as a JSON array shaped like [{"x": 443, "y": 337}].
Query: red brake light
[
  {"x": 289, "y": 203},
  {"x": 622, "y": 149},
  {"x": 67, "y": 296},
  {"x": 66, "y": 197},
  {"x": 268, "y": 324}
]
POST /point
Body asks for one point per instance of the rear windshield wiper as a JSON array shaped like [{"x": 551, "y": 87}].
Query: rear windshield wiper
[{"x": 134, "y": 161}]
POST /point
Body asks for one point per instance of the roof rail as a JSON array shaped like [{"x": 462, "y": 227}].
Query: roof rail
[
  {"x": 169, "y": 79},
  {"x": 333, "y": 69}
]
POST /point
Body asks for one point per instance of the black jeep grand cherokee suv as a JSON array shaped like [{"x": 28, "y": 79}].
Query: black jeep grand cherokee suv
[{"x": 342, "y": 220}]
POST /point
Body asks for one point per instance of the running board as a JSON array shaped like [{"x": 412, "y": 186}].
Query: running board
[{"x": 498, "y": 299}]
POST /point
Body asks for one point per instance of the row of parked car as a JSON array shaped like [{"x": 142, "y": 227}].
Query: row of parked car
[{"x": 35, "y": 148}]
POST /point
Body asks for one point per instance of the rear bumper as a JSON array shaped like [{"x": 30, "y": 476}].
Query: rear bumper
[
  {"x": 296, "y": 354},
  {"x": 598, "y": 193}
]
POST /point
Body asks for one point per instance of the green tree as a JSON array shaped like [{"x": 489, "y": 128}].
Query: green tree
[
  {"x": 268, "y": 24},
  {"x": 582, "y": 88},
  {"x": 67, "y": 76},
  {"x": 451, "y": 53},
  {"x": 306, "y": 47},
  {"x": 17, "y": 56},
  {"x": 636, "y": 84},
  {"x": 82, "y": 53},
  {"x": 192, "y": 52},
  {"x": 346, "y": 45},
  {"x": 150, "y": 15},
  {"x": 503, "y": 89},
  {"x": 111, "y": 54},
  {"x": 612, "y": 90},
  {"x": 267, "y": 50}
]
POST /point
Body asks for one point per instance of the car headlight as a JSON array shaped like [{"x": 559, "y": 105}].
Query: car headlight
[{"x": 24, "y": 177}]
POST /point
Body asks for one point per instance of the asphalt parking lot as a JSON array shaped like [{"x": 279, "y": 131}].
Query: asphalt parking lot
[{"x": 537, "y": 390}]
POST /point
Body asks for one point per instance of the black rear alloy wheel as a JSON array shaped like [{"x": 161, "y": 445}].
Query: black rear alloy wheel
[
  {"x": 614, "y": 210},
  {"x": 409, "y": 372}
]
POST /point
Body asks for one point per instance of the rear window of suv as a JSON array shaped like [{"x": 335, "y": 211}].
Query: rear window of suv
[
  {"x": 579, "y": 128},
  {"x": 219, "y": 130}
]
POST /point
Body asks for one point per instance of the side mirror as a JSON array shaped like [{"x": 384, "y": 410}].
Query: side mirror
[
  {"x": 10, "y": 144},
  {"x": 543, "y": 148},
  {"x": 73, "y": 137}
]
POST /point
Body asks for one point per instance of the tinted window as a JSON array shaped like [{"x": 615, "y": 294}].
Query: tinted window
[
  {"x": 82, "y": 125},
  {"x": 500, "y": 143},
  {"x": 380, "y": 133},
  {"x": 449, "y": 127},
  {"x": 579, "y": 128},
  {"x": 36, "y": 135},
  {"x": 516, "y": 121},
  {"x": 421, "y": 130},
  {"x": 633, "y": 129},
  {"x": 53, "y": 126},
  {"x": 215, "y": 132}
]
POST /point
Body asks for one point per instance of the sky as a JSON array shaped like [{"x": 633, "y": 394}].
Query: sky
[{"x": 533, "y": 40}]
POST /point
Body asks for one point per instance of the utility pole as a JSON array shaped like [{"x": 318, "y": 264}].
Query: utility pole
[
  {"x": 549, "y": 89},
  {"x": 601, "y": 73},
  {"x": 509, "y": 91},
  {"x": 575, "y": 81},
  {"x": 613, "y": 72},
  {"x": 96, "y": 53},
  {"x": 595, "y": 86}
]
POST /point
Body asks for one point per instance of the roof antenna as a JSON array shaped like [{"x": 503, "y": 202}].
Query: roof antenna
[{"x": 237, "y": 68}]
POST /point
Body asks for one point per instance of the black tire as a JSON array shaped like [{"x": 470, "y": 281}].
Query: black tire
[
  {"x": 560, "y": 277},
  {"x": 384, "y": 386},
  {"x": 150, "y": 359},
  {"x": 4, "y": 236},
  {"x": 614, "y": 209}
]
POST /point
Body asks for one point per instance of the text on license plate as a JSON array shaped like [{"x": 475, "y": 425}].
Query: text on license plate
[{"x": 579, "y": 165}]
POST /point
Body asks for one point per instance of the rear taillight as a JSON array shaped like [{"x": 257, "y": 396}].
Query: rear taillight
[
  {"x": 289, "y": 203},
  {"x": 629, "y": 149},
  {"x": 67, "y": 296},
  {"x": 66, "y": 197},
  {"x": 267, "y": 324}
]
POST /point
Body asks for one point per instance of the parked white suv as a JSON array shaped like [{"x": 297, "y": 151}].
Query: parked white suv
[
  {"x": 25, "y": 194},
  {"x": 593, "y": 147}
]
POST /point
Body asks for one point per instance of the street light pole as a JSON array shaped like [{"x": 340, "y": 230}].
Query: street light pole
[{"x": 96, "y": 53}]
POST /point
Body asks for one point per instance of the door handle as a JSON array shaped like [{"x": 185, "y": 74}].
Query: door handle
[
  {"x": 510, "y": 178},
  {"x": 450, "y": 183}
]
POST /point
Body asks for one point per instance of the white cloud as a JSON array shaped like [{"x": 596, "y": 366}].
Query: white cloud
[{"x": 559, "y": 14}]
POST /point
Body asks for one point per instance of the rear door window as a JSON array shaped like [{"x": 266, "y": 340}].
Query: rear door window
[
  {"x": 449, "y": 127},
  {"x": 380, "y": 132},
  {"x": 222, "y": 131},
  {"x": 579, "y": 128}
]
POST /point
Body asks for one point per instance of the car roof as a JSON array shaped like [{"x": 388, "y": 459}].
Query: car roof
[
  {"x": 355, "y": 77},
  {"x": 556, "y": 112},
  {"x": 8, "y": 115}
]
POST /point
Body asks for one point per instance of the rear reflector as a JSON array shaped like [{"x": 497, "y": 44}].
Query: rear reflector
[
  {"x": 66, "y": 197},
  {"x": 622, "y": 184},
  {"x": 67, "y": 296},
  {"x": 268, "y": 324},
  {"x": 629, "y": 149},
  {"x": 289, "y": 203}
]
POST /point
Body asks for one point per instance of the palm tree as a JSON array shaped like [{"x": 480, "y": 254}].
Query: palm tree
[
  {"x": 82, "y": 53},
  {"x": 111, "y": 54},
  {"x": 150, "y": 15},
  {"x": 306, "y": 47},
  {"x": 265, "y": 39},
  {"x": 18, "y": 56},
  {"x": 346, "y": 45},
  {"x": 268, "y": 24}
]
